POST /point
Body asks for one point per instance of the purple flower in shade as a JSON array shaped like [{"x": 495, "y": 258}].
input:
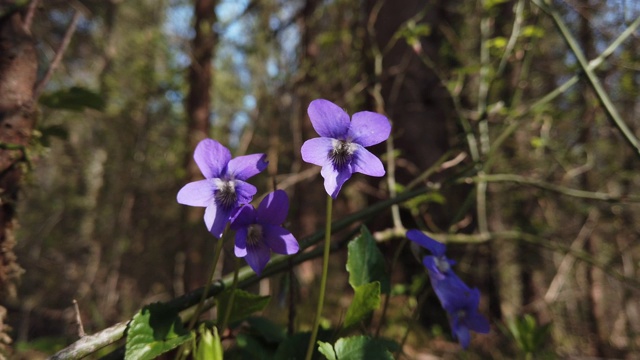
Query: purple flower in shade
[
  {"x": 460, "y": 301},
  {"x": 258, "y": 232},
  {"x": 464, "y": 316},
  {"x": 224, "y": 188},
  {"x": 341, "y": 148}
]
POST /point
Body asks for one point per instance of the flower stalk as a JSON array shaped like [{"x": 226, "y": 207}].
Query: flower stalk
[{"x": 323, "y": 279}]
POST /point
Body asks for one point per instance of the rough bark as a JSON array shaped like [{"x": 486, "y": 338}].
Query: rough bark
[
  {"x": 198, "y": 110},
  {"x": 18, "y": 69}
]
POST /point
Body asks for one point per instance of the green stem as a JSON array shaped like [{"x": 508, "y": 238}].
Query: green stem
[
  {"x": 216, "y": 257},
  {"x": 323, "y": 279},
  {"x": 232, "y": 296}
]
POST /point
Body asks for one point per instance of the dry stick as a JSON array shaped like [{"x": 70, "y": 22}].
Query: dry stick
[
  {"x": 81, "y": 332},
  {"x": 58, "y": 57},
  {"x": 593, "y": 64},
  {"x": 610, "y": 109},
  {"x": 540, "y": 241},
  {"x": 577, "y": 193},
  {"x": 28, "y": 18},
  {"x": 567, "y": 262}
]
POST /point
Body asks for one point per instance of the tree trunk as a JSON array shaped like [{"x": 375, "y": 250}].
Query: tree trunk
[
  {"x": 198, "y": 110},
  {"x": 18, "y": 70}
]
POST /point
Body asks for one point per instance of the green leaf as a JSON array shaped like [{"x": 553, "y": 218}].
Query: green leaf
[
  {"x": 74, "y": 99},
  {"x": 244, "y": 304},
  {"x": 267, "y": 330},
  {"x": 364, "y": 348},
  {"x": 498, "y": 42},
  {"x": 533, "y": 31},
  {"x": 48, "y": 132},
  {"x": 365, "y": 300},
  {"x": 365, "y": 262},
  {"x": 209, "y": 347},
  {"x": 327, "y": 350},
  {"x": 295, "y": 346},
  {"x": 154, "y": 330}
]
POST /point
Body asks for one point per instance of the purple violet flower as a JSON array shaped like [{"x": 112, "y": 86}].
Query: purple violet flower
[
  {"x": 341, "y": 148},
  {"x": 224, "y": 188},
  {"x": 258, "y": 232},
  {"x": 460, "y": 301}
]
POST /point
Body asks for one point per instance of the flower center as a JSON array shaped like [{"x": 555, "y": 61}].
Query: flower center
[
  {"x": 226, "y": 195},
  {"x": 442, "y": 264},
  {"x": 461, "y": 314},
  {"x": 254, "y": 234},
  {"x": 341, "y": 153}
]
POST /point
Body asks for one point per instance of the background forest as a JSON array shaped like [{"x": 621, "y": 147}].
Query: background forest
[{"x": 519, "y": 118}]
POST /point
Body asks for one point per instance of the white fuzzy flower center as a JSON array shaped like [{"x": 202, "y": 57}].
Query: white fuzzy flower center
[
  {"x": 442, "y": 264},
  {"x": 341, "y": 152},
  {"x": 226, "y": 195}
]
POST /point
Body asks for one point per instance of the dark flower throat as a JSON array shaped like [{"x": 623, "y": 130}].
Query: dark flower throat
[
  {"x": 226, "y": 195},
  {"x": 341, "y": 153}
]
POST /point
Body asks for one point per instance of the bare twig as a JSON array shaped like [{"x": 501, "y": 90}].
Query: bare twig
[
  {"x": 567, "y": 262},
  {"x": 58, "y": 57},
  {"x": 518, "y": 117},
  {"x": 577, "y": 193},
  {"x": 28, "y": 18},
  {"x": 81, "y": 332},
  {"x": 595, "y": 83}
]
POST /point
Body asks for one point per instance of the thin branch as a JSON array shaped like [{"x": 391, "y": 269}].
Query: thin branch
[
  {"x": 593, "y": 64},
  {"x": 540, "y": 241},
  {"x": 610, "y": 109},
  {"x": 28, "y": 18},
  {"x": 81, "y": 332},
  {"x": 58, "y": 56},
  {"x": 567, "y": 262},
  {"x": 577, "y": 193}
]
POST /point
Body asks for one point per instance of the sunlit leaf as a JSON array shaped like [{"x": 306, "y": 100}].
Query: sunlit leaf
[
  {"x": 326, "y": 349},
  {"x": 365, "y": 262},
  {"x": 154, "y": 330},
  {"x": 361, "y": 348},
  {"x": 365, "y": 300}
]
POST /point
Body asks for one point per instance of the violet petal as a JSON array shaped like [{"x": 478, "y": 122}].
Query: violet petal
[
  {"x": 258, "y": 256},
  {"x": 216, "y": 219},
  {"x": 366, "y": 163},
  {"x": 280, "y": 240},
  {"x": 437, "y": 248},
  {"x": 197, "y": 193},
  {"x": 316, "y": 151},
  {"x": 478, "y": 323},
  {"x": 369, "y": 128},
  {"x": 334, "y": 179},
  {"x": 212, "y": 158},
  {"x": 246, "y": 166},
  {"x": 240, "y": 247},
  {"x": 244, "y": 192},
  {"x": 328, "y": 119},
  {"x": 273, "y": 208},
  {"x": 243, "y": 217},
  {"x": 462, "y": 334}
]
